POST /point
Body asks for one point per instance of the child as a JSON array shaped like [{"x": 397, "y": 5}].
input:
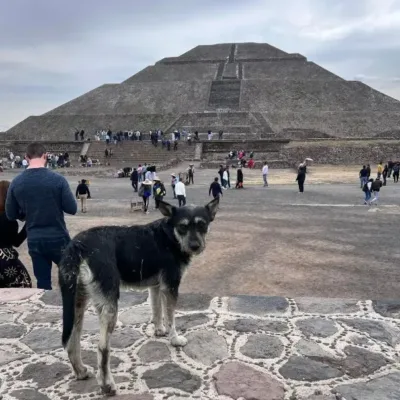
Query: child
[{"x": 82, "y": 194}]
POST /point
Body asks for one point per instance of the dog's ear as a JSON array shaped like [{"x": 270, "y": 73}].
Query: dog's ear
[
  {"x": 212, "y": 208},
  {"x": 168, "y": 210}
]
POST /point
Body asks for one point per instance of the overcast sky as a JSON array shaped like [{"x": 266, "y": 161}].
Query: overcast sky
[{"x": 52, "y": 50}]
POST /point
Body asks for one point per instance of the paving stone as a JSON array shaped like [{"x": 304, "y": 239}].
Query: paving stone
[
  {"x": 144, "y": 396},
  {"x": 206, "y": 347},
  {"x": 311, "y": 349},
  {"x": 87, "y": 386},
  {"x": 43, "y": 340},
  {"x": 90, "y": 358},
  {"x": 262, "y": 346},
  {"x": 124, "y": 338},
  {"x": 306, "y": 369},
  {"x": 16, "y": 294},
  {"x": 28, "y": 394},
  {"x": 137, "y": 315},
  {"x": 154, "y": 352},
  {"x": 172, "y": 376},
  {"x": 317, "y": 327},
  {"x": 359, "y": 340},
  {"x": 257, "y": 305},
  {"x": 254, "y": 325},
  {"x": 193, "y": 302},
  {"x": 11, "y": 331},
  {"x": 91, "y": 323},
  {"x": 320, "y": 397},
  {"x": 52, "y": 298},
  {"x": 44, "y": 375},
  {"x": 238, "y": 380},
  {"x": 384, "y": 388},
  {"x": 387, "y": 308},
  {"x": 44, "y": 317},
  {"x": 378, "y": 330},
  {"x": 132, "y": 298},
  {"x": 6, "y": 317},
  {"x": 190, "y": 321},
  {"x": 7, "y": 357},
  {"x": 326, "y": 306}
]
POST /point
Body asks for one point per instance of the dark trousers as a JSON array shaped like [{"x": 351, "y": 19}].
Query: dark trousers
[
  {"x": 173, "y": 191},
  {"x": 145, "y": 203},
  {"x": 301, "y": 186},
  {"x": 157, "y": 201},
  {"x": 395, "y": 176},
  {"x": 191, "y": 179},
  {"x": 43, "y": 253},
  {"x": 389, "y": 172},
  {"x": 181, "y": 200},
  {"x": 134, "y": 185}
]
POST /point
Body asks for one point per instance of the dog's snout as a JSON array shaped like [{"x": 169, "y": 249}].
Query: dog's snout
[{"x": 194, "y": 246}]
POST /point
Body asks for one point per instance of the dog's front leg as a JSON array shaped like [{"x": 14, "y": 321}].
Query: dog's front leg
[
  {"x": 156, "y": 308},
  {"x": 170, "y": 298}
]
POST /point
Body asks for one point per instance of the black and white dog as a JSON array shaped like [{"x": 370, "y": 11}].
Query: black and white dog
[{"x": 155, "y": 256}]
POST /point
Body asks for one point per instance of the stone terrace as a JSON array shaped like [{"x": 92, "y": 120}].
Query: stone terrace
[{"x": 252, "y": 348}]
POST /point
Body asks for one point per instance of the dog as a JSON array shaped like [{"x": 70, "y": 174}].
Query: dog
[{"x": 155, "y": 256}]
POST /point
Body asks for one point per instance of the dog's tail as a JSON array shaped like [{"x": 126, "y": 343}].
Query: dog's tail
[{"x": 68, "y": 279}]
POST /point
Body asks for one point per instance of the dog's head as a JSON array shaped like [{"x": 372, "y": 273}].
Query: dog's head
[{"x": 190, "y": 224}]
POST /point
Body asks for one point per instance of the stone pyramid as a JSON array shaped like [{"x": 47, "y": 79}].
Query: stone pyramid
[{"x": 250, "y": 90}]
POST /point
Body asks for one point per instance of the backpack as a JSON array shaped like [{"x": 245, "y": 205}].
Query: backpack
[{"x": 365, "y": 188}]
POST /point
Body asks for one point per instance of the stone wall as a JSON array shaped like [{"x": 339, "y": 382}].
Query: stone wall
[{"x": 225, "y": 146}]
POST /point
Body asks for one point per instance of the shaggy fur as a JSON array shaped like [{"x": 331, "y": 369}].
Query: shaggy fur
[{"x": 154, "y": 256}]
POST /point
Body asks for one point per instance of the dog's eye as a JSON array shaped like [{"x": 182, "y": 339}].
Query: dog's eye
[
  {"x": 202, "y": 225},
  {"x": 182, "y": 228}
]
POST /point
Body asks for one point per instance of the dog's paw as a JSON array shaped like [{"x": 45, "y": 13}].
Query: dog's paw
[
  {"x": 82, "y": 374},
  {"x": 160, "y": 330},
  {"x": 109, "y": 390},
  {"x": 178, "y": 341}
]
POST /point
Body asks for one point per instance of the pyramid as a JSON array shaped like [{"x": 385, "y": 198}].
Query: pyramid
[{"x": 250, "y": 90}]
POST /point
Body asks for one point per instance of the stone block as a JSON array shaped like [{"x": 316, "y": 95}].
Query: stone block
[{"x": 258, "y": 305}]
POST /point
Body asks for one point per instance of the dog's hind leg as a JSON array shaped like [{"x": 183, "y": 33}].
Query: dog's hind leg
[
  {"x": 156, "y": 308},
  {"x": 74, "y": 342}
]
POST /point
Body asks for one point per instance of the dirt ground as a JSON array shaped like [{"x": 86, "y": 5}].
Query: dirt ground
[{"x": 275, "y": 241}]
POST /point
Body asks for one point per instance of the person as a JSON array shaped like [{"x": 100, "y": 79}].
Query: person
[
  {"x": 375, "y": 188},
  {"x": 367, "y": 190},
  {"x": 176, "y": 145},
  {"x": 251, "y": 163},
  {"x": 225, "y": 178},
  {"x": 390, "y": 167},
  {"x": 145, "y": 193},
  {"x": 41, "y": 197},
  {"x": 368, "y": 171},
  {"x": 396, "y": 170},
  {"x": 221, "y": 173},
  {"x": 363, "y": 176},
  {"x": 180, "y": 191},
  {"x": 106, "y": 153},
  {"x": 265, "y": 174},
  {"x": 13, "y": 273},
  {"x": 385, "y": 174},
  {"x": 209, "y": 135},
  {"x": 215, "y": 189},
  {"x": 239, "y": 179},
  {"x": 220, "y": 133},
  {"x": 135, "y": 179},
  {"x": 158, "y": 191},
  {"x": 173, "y": 184},
  {"x": 82, "y": 134},
  {"x": 380, "y": 169},
  {"x": 301, "y": 177},
  {"x": 191, "y": 173},
  {"x": 82, "y": 194}
]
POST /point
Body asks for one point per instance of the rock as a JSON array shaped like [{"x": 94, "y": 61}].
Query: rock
[
  {"x": 258, "y": 305},
  {"x": 306, "y": 369},
  {"x": 43, "y": 340},
  {"x": 238, "y": 380},
  {"x": 52, "y": 298},
  {"x": 144, "y": 396},
  {"x": 132, "y": 298},
  {"x": 7, "y": 357},
  {"x": 383, "y": 388},
  {"x": 193, "y": 302},
  {"x": 317, "y": 327},
  {"x": 206, "y": 347},
  {"x": 86, "y": 386},
  {"x": 90, "y": 358},
  {"x": 254, "y": 325},
  {"x": 154, "y": 352},
  {"x": 171, "y": 376},
  {"x": 377, "y": 330},
  {"x": 326, "y": 306},
  {"x": 190, "y": 321},
  {"x": 320, "y": 397},
  {"x": 387, "y": 308},
  {"x": 137, "y": 315},
  {"x": 262, "y": 346},
  {"x": 124, "y": 338},
  {"x": 11, "y": 331},
  {"x": 28, "y": 394},
  {"x": 44, "y": 375},
  {"x": 312, "y": 350},
  {"x": 6, "y": 317},
  {"x": 44, "y": 317}
]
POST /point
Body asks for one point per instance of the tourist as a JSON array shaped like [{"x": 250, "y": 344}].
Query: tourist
[
  {"x": 385, "y": 174},
  {"x": 13, "y": 273},
  {"x": 251, "y": 164},
  {"x": 380, "y": 169},
  {"x": 209, "y": 135},
  {"x": 228, "y": 172},
  {"x": 239, "y": 179},
  {"x": 82, "y": 134},
  {"x": 180, "y": 191},
  {"x": 158, "y": 191},
  {"x": 173, "y": 184},
  {"x": 191, "y": 174},
  {"x": 396, "y": 170},
  {"x": 140, "y": 175},
  {"x": 41, "y": 197},
  {"x": 375, "y": 188},
  {"x": 363, "y": 176},
  {"x": 110, "y": 153},
  {"x": 173, "y": 137},
  {"x": 215, "y": 189},
  {"x": 168, "y": 145},
  {"x": 225, "y": 178},
  {"x": 367, "y": 190},
  {"x": 135, "y": 179},
  {"x": 145, "y": 193},
  {"x": 176, "y": 145},
  {"x": 25, "y": 163},
  {"x": 196, "y": 136},
  {"x": 76, "y": 135},
  {"x": 220, "y": 133},
  {"x": 82, "y": 194},
  {"x": 301, "y": 177},
  {"x": 144, "y": 170},
  {"x": 106, "y": 153},
  {"x": 265, "y": 174},
  {"x": 221, "y": 173},
  {"x": 368, "y": 171},
  {"x": 390, "y": 168}
]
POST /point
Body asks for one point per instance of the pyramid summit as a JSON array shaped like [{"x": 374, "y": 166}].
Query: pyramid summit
[{"x": 250, "y": 90}]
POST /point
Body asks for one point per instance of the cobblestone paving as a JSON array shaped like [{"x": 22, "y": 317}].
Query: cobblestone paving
[{"x": 252, "y": 348}]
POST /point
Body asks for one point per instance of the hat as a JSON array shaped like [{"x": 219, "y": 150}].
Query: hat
[
  {"x": 173, "y": 175},
  {"x": 156, "y": 178},
  {"x": 147, "y": 182}
]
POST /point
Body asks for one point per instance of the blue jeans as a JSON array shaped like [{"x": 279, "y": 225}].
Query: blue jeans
[
  {"x": 367, "y": 195},
  {"x": 43, "y": 253}
]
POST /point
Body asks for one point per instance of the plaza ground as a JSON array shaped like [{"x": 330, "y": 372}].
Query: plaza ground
[{"x": 274, "y": 241}]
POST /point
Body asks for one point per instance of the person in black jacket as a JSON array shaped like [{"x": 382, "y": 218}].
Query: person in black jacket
[
  {"x": 215, "y": 189},
  {"x": 83, "y": 193},
  {"x": 239, "y": 180},
  {"x": 301, "y": 177},
  {"x": 13, "y": 273},
  {"x": 135, "y": 179}
]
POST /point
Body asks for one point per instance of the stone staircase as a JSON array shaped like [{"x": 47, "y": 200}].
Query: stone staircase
[{"x": 225, "y": 94}]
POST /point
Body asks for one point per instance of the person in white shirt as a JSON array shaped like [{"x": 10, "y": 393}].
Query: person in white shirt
[
  {"x": 265, "y": 174},
  {"x": 180, "y": 192}
]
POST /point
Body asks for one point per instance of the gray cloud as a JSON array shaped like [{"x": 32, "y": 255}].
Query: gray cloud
[{"x": 53, "y": 51}]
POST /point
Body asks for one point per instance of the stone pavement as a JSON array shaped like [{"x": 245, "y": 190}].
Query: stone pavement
[{"x": 243, "y": 347}]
